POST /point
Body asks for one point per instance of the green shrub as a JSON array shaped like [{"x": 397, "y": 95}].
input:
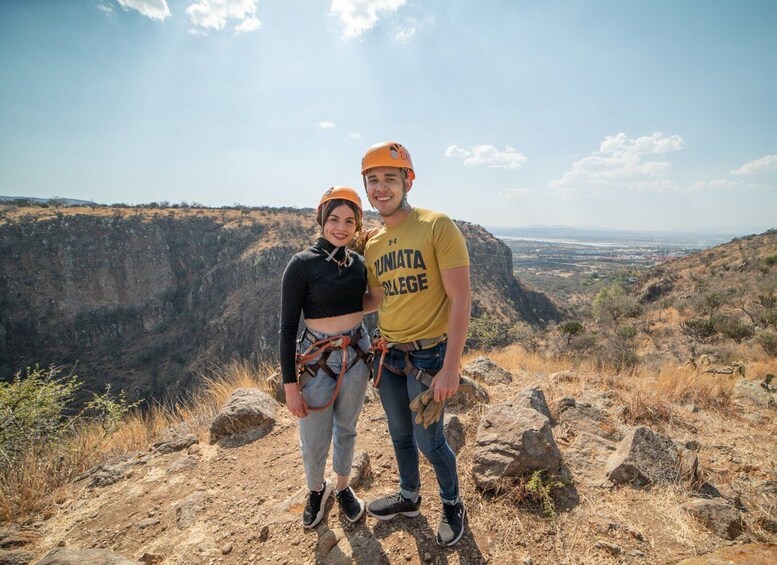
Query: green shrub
[
  {"x": 571, "y": 329},
  {"x": 770, "y": 260},
  {"x": 540, "y": 489},
  {"x": 768, "y": 340},
  {"x": 37, "y": 412},
  {"x": 700, "y": 329},
  {"x": 734, "y": 328},
  {"x": 486, "y": 332},
  {"x": 584, "y": 343},
  {"x": 612, "y": 303}
]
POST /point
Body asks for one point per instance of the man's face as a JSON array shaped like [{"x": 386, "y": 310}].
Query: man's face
[{"x": 386, "y": 188}]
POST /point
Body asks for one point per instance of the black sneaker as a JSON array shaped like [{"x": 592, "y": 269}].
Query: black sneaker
[
  {"x": 351, "y": 505},
  {"x": 389, "y": 506},
  {"x": 451, "y": 526},
  {"x": 315, "y": 504}
]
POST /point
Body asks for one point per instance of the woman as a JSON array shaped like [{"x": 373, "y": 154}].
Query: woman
[{"x": 326, "y": 284}]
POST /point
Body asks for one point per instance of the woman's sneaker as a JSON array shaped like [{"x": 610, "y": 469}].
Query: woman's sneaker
[
  {"x": 315, "y": 505},
  {"x": 351, "y": 505},
  {"x": 389, "y": 506},
  {"x": 451, "y": 526}
]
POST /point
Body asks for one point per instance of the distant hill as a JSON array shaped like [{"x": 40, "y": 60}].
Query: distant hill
[
  {"x": 634, "y": 237},
  {"x": 148, "y": 298},
  {"x": 712, "y": 300},
  {"x": 48, "y": 201}
]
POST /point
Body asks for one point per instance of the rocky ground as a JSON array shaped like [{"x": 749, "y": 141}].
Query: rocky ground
[{"x": 698, "y": 482}]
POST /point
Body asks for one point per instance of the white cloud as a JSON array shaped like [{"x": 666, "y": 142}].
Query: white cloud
[
  {"x": 762, "y": 165},
  {"x": 326, "y": 125},
  {"x": 154, "y": 9},
  {"x": 512, "y": 193},
  {"x": 621, "y": 163},
  {"x": 360, "y": 15},
  {"x": 251, "y": 23},
  {"x": 354, "y": 135},
  {"x": 488, "y": 155},
  {"x": 106, "y": 8},
  {"x": 213, "y": 14}
]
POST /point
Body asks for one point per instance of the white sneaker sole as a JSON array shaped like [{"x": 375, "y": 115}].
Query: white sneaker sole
[
  {"x": 358, "y": 516},
  {"x": 461, "y": 533},
  {"x": 390, "y": 516},
  {"x": 322, "y": 509}
]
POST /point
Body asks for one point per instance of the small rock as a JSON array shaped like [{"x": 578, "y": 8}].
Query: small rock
[
  {"x": 151, "y": 558},
  {"x": 611, "y": 548},
  {"x": 326, "y": 542},
  {"x": 227, "y": 549},
  {"x": 147, "y": 523}
]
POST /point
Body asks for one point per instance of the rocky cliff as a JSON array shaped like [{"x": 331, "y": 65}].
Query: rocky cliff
[{"x": 146, "y": 299}]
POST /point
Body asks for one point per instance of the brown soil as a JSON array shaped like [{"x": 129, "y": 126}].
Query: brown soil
[{"x": 252, "y": 495}]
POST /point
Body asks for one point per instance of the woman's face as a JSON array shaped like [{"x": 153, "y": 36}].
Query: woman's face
[{"x": 340, "y": 226}]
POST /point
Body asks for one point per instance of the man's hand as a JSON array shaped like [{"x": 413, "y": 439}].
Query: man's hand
[
  {"x": 445, "y": 384},
  {"x": 294, "y": 401}
]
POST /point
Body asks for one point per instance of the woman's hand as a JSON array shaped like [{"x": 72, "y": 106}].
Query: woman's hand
[{"x": 294, "y": 401}]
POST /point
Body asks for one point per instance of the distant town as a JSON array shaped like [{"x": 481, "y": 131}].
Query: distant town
[{"x": 564, "y": 261}]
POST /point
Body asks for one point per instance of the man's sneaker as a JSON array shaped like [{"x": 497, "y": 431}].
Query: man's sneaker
[
  {"x": 451, "y": 526},
  {"x": 315, "y": 505},
  {"x": 389, "y": 506},
  {"x": 351, "y": 505}
]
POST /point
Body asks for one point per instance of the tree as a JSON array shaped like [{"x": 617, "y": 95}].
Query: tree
[{"x": 612, "y": 303}]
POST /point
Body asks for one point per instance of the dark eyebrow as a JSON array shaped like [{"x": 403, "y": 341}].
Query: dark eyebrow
[{"x": 333, "y": 215}]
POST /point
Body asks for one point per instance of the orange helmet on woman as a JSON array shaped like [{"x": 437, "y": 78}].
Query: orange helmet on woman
[
  {"x": 388, "y": 154},
  {"x": 338, "y": 193}
]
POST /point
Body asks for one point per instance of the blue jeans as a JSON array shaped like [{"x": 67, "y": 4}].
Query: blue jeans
[
  {"x": 338, "y": 421},
  {"x": 396, "y": 392}
]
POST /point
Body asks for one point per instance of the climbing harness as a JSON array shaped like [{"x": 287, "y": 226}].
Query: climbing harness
[
  {"x": 379, "y": 343},
  {"x": 322, "y": 349}
]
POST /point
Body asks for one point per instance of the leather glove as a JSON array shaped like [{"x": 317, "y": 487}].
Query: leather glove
[{"x": 426, "y": 409}]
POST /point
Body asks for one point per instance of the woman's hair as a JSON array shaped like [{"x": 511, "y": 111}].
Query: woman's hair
[{"x": 328, "y": 207}]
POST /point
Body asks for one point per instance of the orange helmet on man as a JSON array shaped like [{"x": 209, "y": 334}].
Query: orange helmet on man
[
  {"x": 388, "y": 154},
  {"x": 339, "y": 193}
]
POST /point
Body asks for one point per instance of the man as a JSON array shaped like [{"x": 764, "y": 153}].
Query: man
[{"x": 418, "y": 279}]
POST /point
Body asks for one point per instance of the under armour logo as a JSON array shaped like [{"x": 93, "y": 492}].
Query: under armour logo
[{"x": 392, "y": 241}]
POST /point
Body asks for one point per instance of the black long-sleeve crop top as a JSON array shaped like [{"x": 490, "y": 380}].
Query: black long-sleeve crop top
[{"x": 318, "y": 287}]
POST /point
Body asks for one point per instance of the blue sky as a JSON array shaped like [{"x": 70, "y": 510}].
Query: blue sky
[{"x": 648, "y": 115}]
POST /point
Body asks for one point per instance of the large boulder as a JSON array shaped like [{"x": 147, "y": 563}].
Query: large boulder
[
  {"x": 748, "y": 395},
  {"x": 485, "y": 370},
  {"x": 717, "y": 516},
  {"x": 586, "y": 458},
  {"x": 454, "y": 432},
  {"x": 644, "y": 457},
  {"x": 246, "y": 408},
  {"x": 62, "y": 556},
  {"x": 750, "y": 553},
  {"x": 512, "y": 440},
  {"x": 587, "y": 417},
  {"x": 470, "y": 394}
]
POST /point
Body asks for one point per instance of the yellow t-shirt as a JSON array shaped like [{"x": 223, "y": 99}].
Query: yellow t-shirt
[{"x": 406, "y": 260}]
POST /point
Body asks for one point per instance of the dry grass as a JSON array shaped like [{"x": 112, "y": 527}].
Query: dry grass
[{"x": 26, "y": 487}]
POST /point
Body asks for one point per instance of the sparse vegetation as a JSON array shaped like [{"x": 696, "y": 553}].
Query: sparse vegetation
[
  {"x": 487, "y": 333},
  {"x": 44, "y": 440},
  {"x": 540, "y": 488}
]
